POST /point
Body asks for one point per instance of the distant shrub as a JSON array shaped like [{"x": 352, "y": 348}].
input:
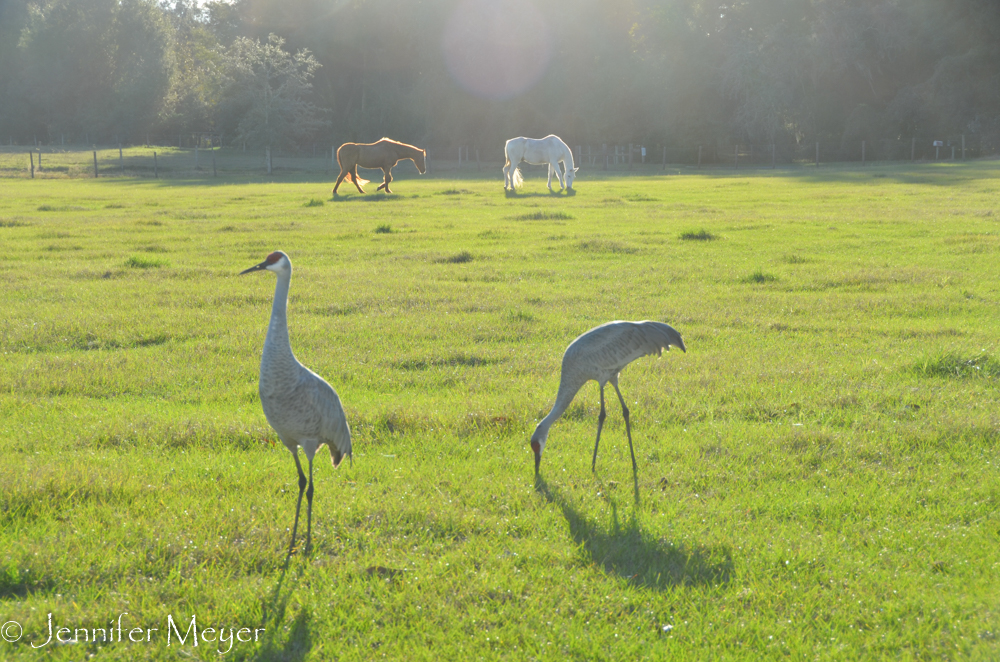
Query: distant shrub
[
  {"x": 61, "y": 208},
  {"x": 759, "y": 277},
  {"x": 315, "y": 202},
  {"x": 955, "y": 365},
  {"x": 700, "y": 235},
  {"x": 138, "y": 262},
  {"x": 458, "y": 258},
  {"x": 385, "y": 228},
  {"x": 601, "y": 245},
  {"x": 544, "y": 216}
]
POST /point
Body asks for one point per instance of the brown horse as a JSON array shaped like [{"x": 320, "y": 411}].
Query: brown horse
[{"x": 384, "y": 154}]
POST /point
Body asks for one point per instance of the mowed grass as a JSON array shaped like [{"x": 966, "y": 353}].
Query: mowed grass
[{"x": 818, "y": 474}]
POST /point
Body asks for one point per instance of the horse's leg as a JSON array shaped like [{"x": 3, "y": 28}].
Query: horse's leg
[
  {"x": 388, "y": 178},
  {"x": 550, "y": 177},
  {"x": 354, "y": 177},
  {"x": 343, "y": 173}
]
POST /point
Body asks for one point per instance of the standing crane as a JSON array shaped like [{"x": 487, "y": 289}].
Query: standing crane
[
  {"x": 301, "y": 407},
  {"x": 600, "y": 354}
]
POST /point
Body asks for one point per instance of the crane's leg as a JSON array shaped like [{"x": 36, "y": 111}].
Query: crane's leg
[
  {"x": 309, "y": 511},
  {"x": 600, "y": 424},
  {"x": 298, "y": 505},
  {"x": 628, "y": 428}
]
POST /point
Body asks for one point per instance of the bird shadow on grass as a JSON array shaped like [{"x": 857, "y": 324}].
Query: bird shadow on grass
[
  {"x": 625, "y": 550},
  {"x": 289, "y": 642}
]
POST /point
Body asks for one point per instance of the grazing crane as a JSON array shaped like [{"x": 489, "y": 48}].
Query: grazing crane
[
  {"x": 600, "y": 354},
  {"x": 301, "y": 407}
]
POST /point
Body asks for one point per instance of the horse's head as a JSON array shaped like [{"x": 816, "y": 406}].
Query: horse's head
[
  {"x": 570, "y": 176},
  {"x": 420, "y": 159}
]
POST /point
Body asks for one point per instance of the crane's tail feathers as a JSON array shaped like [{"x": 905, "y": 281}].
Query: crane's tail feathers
[
  {"x": 336, "y": 456},
  {"x": 666, "y": 336}
]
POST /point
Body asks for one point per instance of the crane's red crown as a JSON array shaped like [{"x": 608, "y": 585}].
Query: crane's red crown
[{"x": 273, "y": 257}]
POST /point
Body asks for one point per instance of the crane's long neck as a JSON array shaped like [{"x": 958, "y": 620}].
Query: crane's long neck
[
  {"x": 567, "y": 391},
  {"x": 277, "y": 349}
]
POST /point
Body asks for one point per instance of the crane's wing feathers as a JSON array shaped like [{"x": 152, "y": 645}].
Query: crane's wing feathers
[
  {"x": 334, "y": 431},
  {"x": 614, "y": 345}
]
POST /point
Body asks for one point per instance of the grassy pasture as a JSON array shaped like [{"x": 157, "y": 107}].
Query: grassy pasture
[{"x": 818, "y": 474}]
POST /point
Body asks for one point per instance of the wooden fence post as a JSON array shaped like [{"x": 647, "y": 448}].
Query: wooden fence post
[
  {"x": 478, "y": 166},
  {"x": 95, "y": 164},
  {"x": 817, "y": 154},
  {"x": 699, "y": 156},
  {"x": 630, "y": 151},
  {"x": 121, "y": 159},
  {"x": 39, "y": 158},
  {"x": 772, "y": 156},
  {"x": 213, "y": 161},
  {"x": 736, "y": 157},
  {"x": 913, "y": 149},
  {"x": 963, "y": 146},
  {"x": 862, "y": 152},
  {"x": 952, "y": 157},
  {"x": 156, "y": 172},
  {"x": 267, "y": 155},
  {"x": 664, "y": 157},
  {"x": 31, "y": 157}
]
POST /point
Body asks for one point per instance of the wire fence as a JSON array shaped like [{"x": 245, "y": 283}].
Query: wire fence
[{"x": 201, "y": 157}]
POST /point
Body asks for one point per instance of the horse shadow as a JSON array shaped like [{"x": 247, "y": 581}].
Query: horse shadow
[
  {"x": 291, "y": 642},
  {"x": 547, "y": 194},
  {"x": 367, "y": 197},
  {"x": 625, "y": 550}
]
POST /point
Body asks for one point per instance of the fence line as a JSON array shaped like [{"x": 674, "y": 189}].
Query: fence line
[{"x": 205, "y": 158}]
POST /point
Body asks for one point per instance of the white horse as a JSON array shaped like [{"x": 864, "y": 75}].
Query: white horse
[{"x": 550, "y": 149}]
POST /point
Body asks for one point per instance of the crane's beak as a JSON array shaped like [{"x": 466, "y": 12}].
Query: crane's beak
[{"x": 258, "y": 267}]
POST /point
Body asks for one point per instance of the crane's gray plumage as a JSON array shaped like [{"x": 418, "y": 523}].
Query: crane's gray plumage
[
  {"x": 301, "y": 407},
  {"x": 600, "y": 354}
]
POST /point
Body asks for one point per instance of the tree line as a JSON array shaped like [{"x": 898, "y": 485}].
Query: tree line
[{"x": 678, "y": 73}]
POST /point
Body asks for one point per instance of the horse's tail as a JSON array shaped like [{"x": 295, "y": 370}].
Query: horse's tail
[
  {"x": 517, "y": 179},
  {"x": 350, "y": 152}
]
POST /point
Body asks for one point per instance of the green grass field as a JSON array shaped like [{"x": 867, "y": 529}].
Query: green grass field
[{"x": 818, "y": 474}]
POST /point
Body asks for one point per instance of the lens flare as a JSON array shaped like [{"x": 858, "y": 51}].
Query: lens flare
[{"x": 497, "y": 49}]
